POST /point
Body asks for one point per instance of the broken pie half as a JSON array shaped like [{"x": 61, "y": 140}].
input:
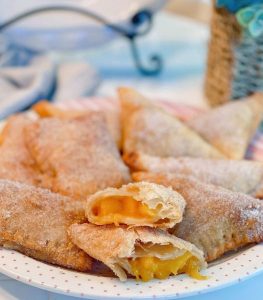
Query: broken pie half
[
  {"x": 216, "y": 220},
  {"x": 136, "y": 204},
  {"x": 142, "y": 252}
]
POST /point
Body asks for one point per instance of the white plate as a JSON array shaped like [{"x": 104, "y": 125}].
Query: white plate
[{"x": 232, "y": 269}]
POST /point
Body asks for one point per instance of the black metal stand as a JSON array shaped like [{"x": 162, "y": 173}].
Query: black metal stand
[{"x": 141, "y": 24}]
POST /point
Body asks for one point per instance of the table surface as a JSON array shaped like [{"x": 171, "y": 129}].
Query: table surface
[{"x": 184, "y": 48}]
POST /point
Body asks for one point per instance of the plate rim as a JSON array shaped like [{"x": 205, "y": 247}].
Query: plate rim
[{"x": 99, "y": 295}]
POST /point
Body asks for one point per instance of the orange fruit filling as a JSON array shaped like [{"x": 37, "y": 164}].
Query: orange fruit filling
[
  {"x": 147, "y": 268},
  {"x": 115, "y": 210}
]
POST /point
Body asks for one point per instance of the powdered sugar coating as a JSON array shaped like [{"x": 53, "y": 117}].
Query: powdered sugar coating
[
  {"x": 149, "y": 129},
  {"x": 231, "y": 127},
  {"x": 216, "y": 220},
  {"x": 16, "y": 162},
  {"x": 34, "y": 221},
  {"x": 78, "y": 155},
  {"x": 237, "y": 175}
]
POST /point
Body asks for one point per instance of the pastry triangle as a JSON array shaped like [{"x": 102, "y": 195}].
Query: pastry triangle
[
  {"x": 231, "y": 127},
  {"x": 136, "y": 204},
  {"x": 148, "y": 128},
  {"x": 143, "y": 252},
  {"x": 216, "y": 220},
  {"x": 243, "y": 176},
  {"x": 78, "y": 156}
]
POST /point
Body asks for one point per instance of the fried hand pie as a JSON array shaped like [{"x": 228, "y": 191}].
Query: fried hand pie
[
  {"x": 78, "y": 155},
  {"x": 231, "y": 127},
  {"x": 143, "y": 252},
  {"x": 243, "y": 176},
  {"x": 34, "y": 221},
  {"x": 216, "y": 220},
  {"x": 149, "y": 129}
]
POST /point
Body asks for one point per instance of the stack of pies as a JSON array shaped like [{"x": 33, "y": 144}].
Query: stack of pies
[{"x": 142, "y": 192}]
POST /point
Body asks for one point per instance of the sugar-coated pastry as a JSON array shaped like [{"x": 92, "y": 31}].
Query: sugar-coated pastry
[
  {"x": 244, "y": 176},
  {"x": 78, "y": 155},
  {"x": 216, "y": 220},
  {"x": 112, "y": 116},
  {"x": 16, "y": 162},
  {"x": 34, "y": 221},
  {"x": 149, "y": 129},
  {"x": 143, "y": 252},
  {"x": 230, "y": 127}
]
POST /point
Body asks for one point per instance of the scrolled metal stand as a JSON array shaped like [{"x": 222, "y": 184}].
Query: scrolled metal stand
[{"x": 141, "y": 24}]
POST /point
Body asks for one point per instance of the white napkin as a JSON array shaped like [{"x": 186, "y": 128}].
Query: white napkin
[
  {"x": 75, "y": 80},
  {"x": 22, "y": 86}
]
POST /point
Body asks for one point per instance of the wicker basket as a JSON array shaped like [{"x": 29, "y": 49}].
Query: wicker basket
[{"x": 235, "y": 60}]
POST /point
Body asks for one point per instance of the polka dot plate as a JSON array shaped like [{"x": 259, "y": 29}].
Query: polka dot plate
[{"x": 232, "y": 269}]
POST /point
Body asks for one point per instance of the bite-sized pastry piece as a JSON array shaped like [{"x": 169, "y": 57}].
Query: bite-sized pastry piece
[
  {"x": 78, "y": 155},
  {"x": 16, "y": 163},
  {"x": 34, "y": 221},
  {"x": 112, "y": 116},
  {"x": 244, "y": 176},
  {"x": 149, "y": 129},
  {"x": 231, "y": 127},
  {"x": 216, "y": 220},
  {"x": 136, "y": 204},
  {"x": 143, "y": 252}
]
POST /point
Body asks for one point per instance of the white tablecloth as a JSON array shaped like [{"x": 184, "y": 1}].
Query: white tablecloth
[{"x": 183, "y": 45}]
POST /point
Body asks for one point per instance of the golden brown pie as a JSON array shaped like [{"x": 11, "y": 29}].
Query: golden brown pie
[
  {"x": 112, "y": 116},
  {"x": 34, "y": 221},
  {"x": 78, "y": 155},
  {"x": 143, "y": 252},
  {"x": 16, "y": 162},
  {"x": 216, "y": 220},
  {"x": 244, "y": 176},
  {"x": 231, "y": 127},
  {"x": 149, "y": 129},
  {"x": 136, "y": 204}
]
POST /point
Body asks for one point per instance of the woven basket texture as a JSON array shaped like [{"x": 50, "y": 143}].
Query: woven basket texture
[{"x": 235, "y": 61}]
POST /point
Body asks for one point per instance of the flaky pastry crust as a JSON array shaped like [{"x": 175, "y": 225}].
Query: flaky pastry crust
[
  {"x": 231, "y": 127},
  {"x": 170, "y": 204},
  {"x": 113, "y": 245},
  {"x": 216, "y": 220},
  {"x": 243, "y": 176},
  {"x": 34, "y": 221},
  {"x": 149, "y": 129}
]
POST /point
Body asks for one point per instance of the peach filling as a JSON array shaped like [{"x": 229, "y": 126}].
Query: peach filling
[
  {"x": 116, "y": 210},
  {"x": 147, "y": 268}
]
